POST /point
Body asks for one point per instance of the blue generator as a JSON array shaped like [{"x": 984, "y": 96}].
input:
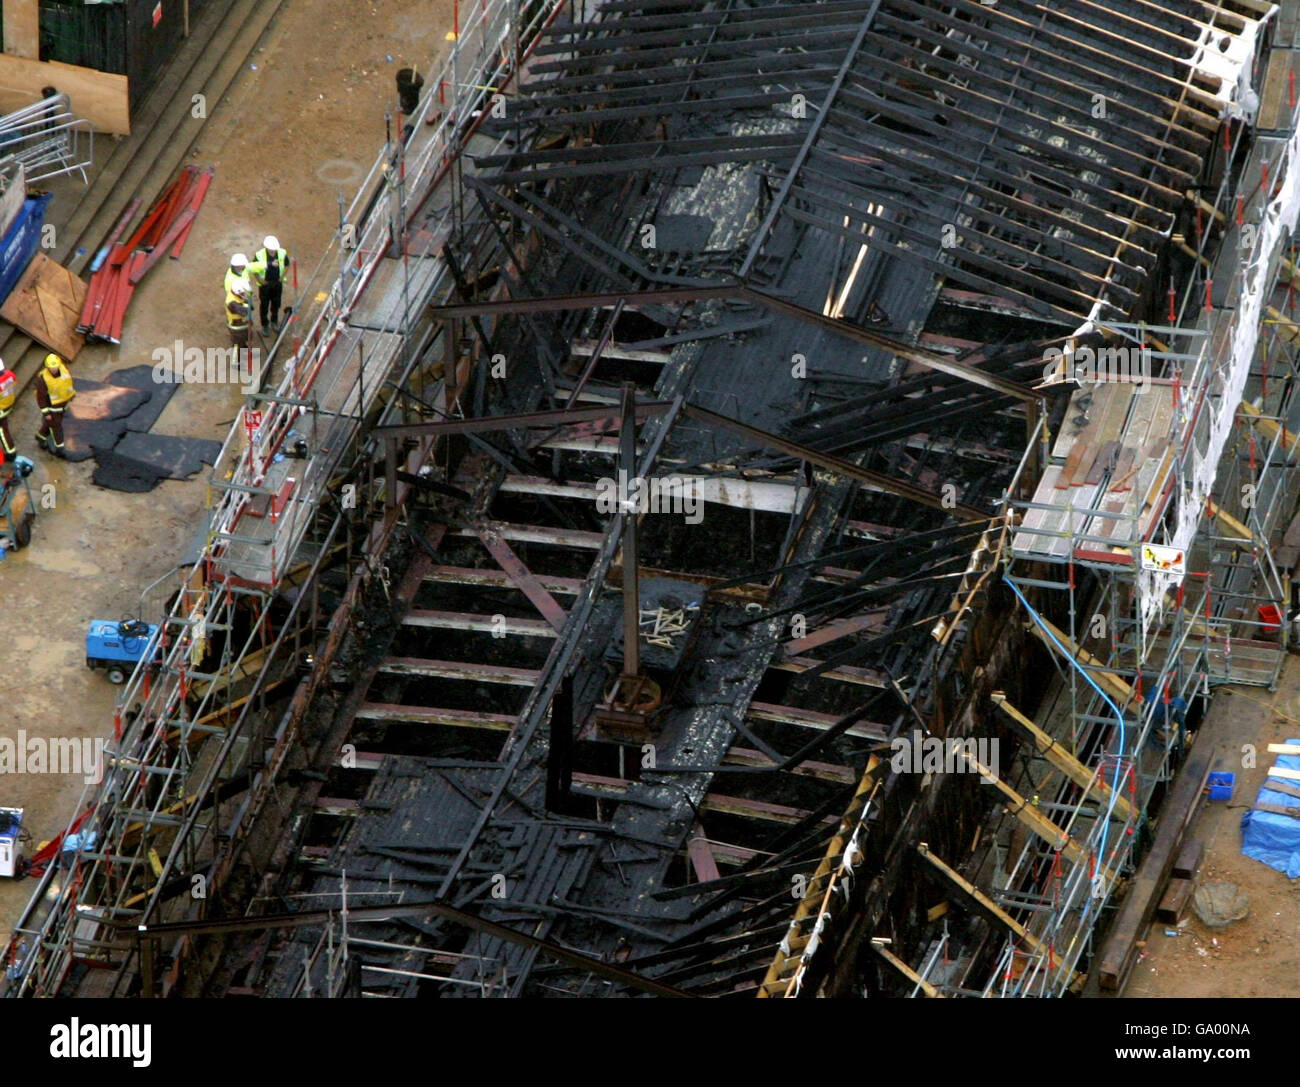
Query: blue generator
[{"x": 118, "y": 647}]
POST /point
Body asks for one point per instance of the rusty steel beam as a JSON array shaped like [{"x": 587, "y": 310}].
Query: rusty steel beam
[{"x": 522, "y": 577}]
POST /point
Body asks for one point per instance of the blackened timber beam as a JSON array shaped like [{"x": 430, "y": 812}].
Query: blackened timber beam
[
  {"x": 833, "y": 463},
  {"x": 435, "y": 715},
  {"x": 694, "y": 40},
  {"x": 485, "y": 193},
  {"x": 472, "y": 671},
  {"x": 437, "y": 908},
  {"x": 999, "y": 124},
  {"x": 636, "y": 166},
  {"x": 742, "y": 21},
  {"x": 888, "y": 144},
  {"x": 653, "y": 109},
  {"x": 492, "y": 423},
  {"x": 528, "y": 111},
  {"x": 745, "y": 807},
  {"x": 1109, "y": 57},
  {"x": 860, "y": 183},
  {"x": 665, "y": 296},
  {"x": 964, "y": 257},
  {"x": 815, "y": 65},
  {"x": 778, "y": 202},
  {"x": 1074, "y": 98},
  {"x": 1013, "y": 389},
  {"x": 604, "y": 156},
  {"x": 970, "y": 139},
  {"x": 734, "y": 291}
]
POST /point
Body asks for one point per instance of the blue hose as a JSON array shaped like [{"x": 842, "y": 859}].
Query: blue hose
[{"x": 1119, "y": 715}]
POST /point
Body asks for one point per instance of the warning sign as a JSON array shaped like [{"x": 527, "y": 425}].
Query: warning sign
[{"x": 1165, "y": 560}]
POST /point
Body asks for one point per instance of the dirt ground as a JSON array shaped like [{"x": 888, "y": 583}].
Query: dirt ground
[
  {"x": 302, "y": 125},
  {"x": 1259, "y": 955}
]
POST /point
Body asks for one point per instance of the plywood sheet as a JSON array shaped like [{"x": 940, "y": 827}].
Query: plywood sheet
[
  {"x": 22, "y": 27},
  {"x": 99, "y": 97},
  {"x": 46, "y": 305},
  {"x": 1274, "y": 108}
]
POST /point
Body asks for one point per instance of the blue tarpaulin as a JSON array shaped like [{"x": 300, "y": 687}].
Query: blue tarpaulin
[
  {"x": 20, "y": 242},
  {"x": 1274, "y": 839}
]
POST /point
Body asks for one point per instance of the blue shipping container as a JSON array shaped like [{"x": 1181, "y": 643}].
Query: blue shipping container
[{"x": 21, "y": 241}]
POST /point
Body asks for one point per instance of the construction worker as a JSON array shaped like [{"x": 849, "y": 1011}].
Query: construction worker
[
  {"x": 239, "y": 310},
  {"x": 270, "y": 267},
  {"x": 238, "y": 270},
  {"x": 54, "y": 392},
  {"x": 8, "y": 397}
]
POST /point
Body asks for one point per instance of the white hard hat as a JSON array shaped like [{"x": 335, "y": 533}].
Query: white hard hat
[
  {"x": 241, "y": 287},
  {"x": 238, "y": 260},
  {"x": 271, "y": 242}
]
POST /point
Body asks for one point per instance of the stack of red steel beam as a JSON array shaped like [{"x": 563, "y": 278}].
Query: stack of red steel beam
[{"x": 120, "y": 265}]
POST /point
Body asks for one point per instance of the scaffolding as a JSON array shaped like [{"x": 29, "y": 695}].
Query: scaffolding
[{"x": 1164, "y": 599}]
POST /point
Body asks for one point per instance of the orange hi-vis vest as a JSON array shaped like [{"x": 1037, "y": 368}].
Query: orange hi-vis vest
[
  {"x": 58, "y": 383},
  {"x": 8, "y": 391}
]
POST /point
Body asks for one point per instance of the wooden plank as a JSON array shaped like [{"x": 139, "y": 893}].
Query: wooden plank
[
  {"x": 907, "y": 972},
  {"x": 1283, "y": 772},
  {"x": 1274, "y": 111},
  {"x": 994, "y": 910},
  {"x": 1121, "y": 475},
  {"x": 46, "y": 304},
  {"x": 1115, "y": 686},
  {"x": 1278, "y": 809},
  {"x": 1174, "y": 901},
  {"x": 435, "y": 715},
  {"x": 1111, "y": 526},
  {"x": 1284, "y": 749},
  {"x": 1282, "y": 787},
  {"x": 99, "y": 97},
  {"x": 1119, "y": 951},
  {"x": 1072, "y": 462},
  {"x": 1105, "y": 461},
  {"x": 22, "y": 25},
  {"x": 1058, "y": 756},
  {"x": 1110, "y": 408},
  {"x": 1189, "y": 859}
]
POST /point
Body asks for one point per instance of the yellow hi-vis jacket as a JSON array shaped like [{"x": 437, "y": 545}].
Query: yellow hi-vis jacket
[
  {"x": 233, "y": 277},
  {"x": 8, "y": 391},
  {"x": 261, "y": 267},
  {"x": 58, "y": 383},
  {"x": 238, "y": 312}
]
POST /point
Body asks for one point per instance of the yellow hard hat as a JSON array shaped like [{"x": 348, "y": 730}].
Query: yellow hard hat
[{"x": 52, "y": 361}]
